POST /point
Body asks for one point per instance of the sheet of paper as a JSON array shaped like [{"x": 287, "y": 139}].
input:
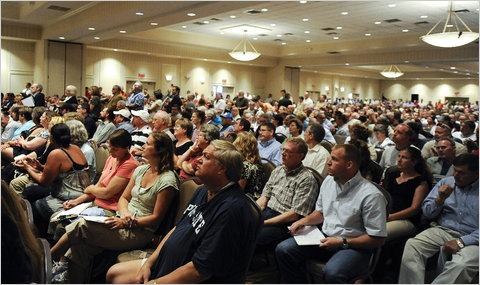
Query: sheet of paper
[
  {"x": 73, "y": 211},
  {"x": 97, "y": 219},
  {"x": 309, "y": 235},
  {"x": 28, "y": 101}
]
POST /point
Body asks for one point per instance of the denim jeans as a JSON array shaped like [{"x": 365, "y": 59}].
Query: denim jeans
[
  {"x": 272, "y": 235},
  {"x": 343, "y": 266}
]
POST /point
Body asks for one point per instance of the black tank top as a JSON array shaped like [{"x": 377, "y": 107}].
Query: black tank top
[{"x": 75, "y": 166}]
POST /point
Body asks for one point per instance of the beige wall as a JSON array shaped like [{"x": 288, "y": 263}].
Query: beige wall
[
  {"x": 18, "y": 63},
  {"x": 106, "y": 68},
  {"x": 431, "y": 90}
]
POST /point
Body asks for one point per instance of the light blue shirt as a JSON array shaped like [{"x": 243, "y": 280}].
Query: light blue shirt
[
  {"x": 25, "y": 127},
  {"x": 353, "y": 209},
  {"x": 271, "y": 150},
  {"x": 459, "y": 212},
  {"x": 126, "y": 126},
  {"x": 137, "y": 99}
]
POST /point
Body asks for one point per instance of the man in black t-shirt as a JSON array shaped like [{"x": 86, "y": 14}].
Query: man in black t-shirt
[{"x": 214, "y": 240}]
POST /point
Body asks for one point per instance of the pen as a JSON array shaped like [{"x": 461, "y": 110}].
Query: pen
[{"x": 68, "y": 196}]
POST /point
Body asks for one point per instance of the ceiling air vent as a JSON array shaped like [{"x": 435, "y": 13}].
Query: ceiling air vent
[
  {"x": 332, "y": 33},
  {"x": 421, "y": 23},
  {"x": 333, "y": 52},
  {"x": 252, "y": 12},
  {"x": 328, "y": 29},
  {"x": 288, "y": 34},
  {"x": 199, "y": 23},
  {"x": 277, "y": 40},
  {"x": 215, "y": 19},
  {"x": 462, "y": 11},
  {"x": 58, "y": 8},
  {"x": 262, "y": 35},
  {"x": 392, "y": 20}
]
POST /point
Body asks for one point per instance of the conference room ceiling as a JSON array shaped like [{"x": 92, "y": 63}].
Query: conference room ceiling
[{"x": 316, "y": 36}]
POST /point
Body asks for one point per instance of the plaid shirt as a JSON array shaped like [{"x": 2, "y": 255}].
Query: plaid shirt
[{"x": 296, "y": 190}]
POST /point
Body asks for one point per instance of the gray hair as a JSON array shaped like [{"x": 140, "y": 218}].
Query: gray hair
[
  {"x": 210, "y": 132},
  {"x": 78, "y": 132},
  {"x": 73, "y": 90},
  {"x": 229, "y": 158}
]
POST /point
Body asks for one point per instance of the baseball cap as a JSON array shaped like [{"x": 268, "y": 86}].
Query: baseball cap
[
  {"x": 123, "y": 112},
  {"x": 226, "y": 115},
  {"x": 143, "y": 114}
]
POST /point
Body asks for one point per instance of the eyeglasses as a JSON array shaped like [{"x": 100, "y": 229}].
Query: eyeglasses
[{"x": 287, "y": 151}]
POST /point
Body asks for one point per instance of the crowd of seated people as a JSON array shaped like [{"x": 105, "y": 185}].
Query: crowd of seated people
[{"x": 427, "y": 158}]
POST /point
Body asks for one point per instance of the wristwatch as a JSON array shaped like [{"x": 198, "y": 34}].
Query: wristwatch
[
  {"x": 460, "y": 243},
  {"x": 345, "y": 244}
]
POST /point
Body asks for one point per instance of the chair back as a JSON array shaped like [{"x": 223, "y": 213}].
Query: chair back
[
  {"x": 327, "y": 145},
  {"x": 259, "y": 224},
  {"x": 280, "y": 137},
  {"x": 187, "y": 189},
  {"x": 101, "y": 155},
  {"x": 318, "y": 177},
  {"x": 45, "y": 273},
  {"x": 379, "y": 152},
  {"x": 28, "y": 212},
  {"x": 268, "y": 167},
  {"x": 340, "y": 139}
]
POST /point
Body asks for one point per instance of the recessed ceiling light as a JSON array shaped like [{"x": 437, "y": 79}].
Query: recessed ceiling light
[
  {"x": 154, "y": 24},
  {"x": 347, "y": 63},
  {"x": 468, "y": 73},
  {"x": 335, "y": 38},
  {"x": 307, "y": 41},
  {"x": 378, "y": 23},
  {"x": 255, "y": 39},
  {"x": 284, "y": 43},
  {"x": 279, "y": 36},
  {"x": 115, "y": 49},
  {"x": 184, "y": 27},
  {"x": 205, "y": 59},
  {"x": 273, "y": 25},
  {"x": 222, "y": 33},
  {"x": 449, "y": 26},
  {"x": 307, "y": 32},
  {"x": 406, "y": 61},
  {"x": 233, "y": 16},
  {"x": 264, "y": 10},
  {"x": 344, "y": 13},
  {"x": 339, "y": 28},
  {"x": 305, "y": 20},
  {"x": 405, "y": 30},
  {"x": 206, "y": 22},
  {"x": 123, "y": 32},
  {"x": 96, "y": 38},
  {"x": 392, "y": 5},
  {"x": 303, "y": 2},
  {"x": 424, "y": 16},
  {"x": 139, "y": 13},
  {"x": 368, "y": 34},
  {"x": 229, "y": 62},
  {"x": 61, "y": 38},
  {"x": 191, "y": 14},
  {"x": 91, "y": 29},
  {"x": 452, "y": 67}
]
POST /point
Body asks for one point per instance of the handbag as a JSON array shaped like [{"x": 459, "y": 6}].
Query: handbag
[{"x": 72, "y": 184}]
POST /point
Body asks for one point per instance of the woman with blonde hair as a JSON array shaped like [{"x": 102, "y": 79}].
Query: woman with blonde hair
[{"x": 253, "y": 177}]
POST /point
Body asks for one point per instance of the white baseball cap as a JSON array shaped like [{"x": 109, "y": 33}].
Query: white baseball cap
[
  {"x": 143, "y": 114},
  {"x": 123, "y": 112}
]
